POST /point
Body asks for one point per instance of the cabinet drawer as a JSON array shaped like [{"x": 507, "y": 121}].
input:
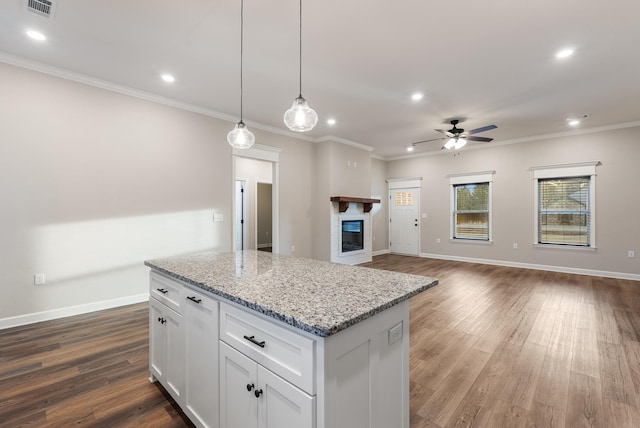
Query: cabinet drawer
[
  {"x": 167, "y": 291},
  {"x": 284, "y": 352}
]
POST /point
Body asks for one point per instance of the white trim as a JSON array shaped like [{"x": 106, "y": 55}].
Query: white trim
[
  {"x": 343, "y": 141},
  {"x": 563, "y": 269},
  {"x": 269, "y": 154},
  {"x": 578, "y": 169},
  {"x": 471, "y": 177},
  {"x": 470, "y": 241},
  {"x": 404, "y": 183},
  {"x": 147, "y": 96},
  {"x": 71, "y": 311},
  {"x": 583, "y": 131},
  {"x": 259, "y": 152},
  {"x": 565, "y": 170},
  {"x": 380, "y": 252}
]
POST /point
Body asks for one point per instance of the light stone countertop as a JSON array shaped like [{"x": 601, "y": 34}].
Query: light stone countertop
[{"x": 316, "y": 296}]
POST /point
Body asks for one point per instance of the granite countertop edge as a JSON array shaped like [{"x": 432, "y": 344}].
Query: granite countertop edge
[{"x": 315, "y": 330}]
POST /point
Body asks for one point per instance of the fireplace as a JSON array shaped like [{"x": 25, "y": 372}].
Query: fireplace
[{"x": 352, "y": 235}]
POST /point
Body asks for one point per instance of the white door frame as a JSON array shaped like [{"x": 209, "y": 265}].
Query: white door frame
[
  {"x": 236, "y": 214},
  {"x": 269, "y": 154},
  {"x": 405, "y": 183}
]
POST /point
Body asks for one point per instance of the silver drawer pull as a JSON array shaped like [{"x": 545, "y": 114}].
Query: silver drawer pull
[{"x": 253, "y": 340}]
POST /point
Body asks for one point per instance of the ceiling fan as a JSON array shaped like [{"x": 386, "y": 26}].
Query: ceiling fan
[{"x": 458, "y": 137}]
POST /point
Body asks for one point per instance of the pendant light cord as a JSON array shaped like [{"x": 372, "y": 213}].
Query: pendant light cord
[
  {"x": 241, "y": 50},
  {"x": 300, "y": 39}
]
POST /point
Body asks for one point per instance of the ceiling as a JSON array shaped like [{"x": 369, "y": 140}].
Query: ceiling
[{"x": 486, "y": 62}]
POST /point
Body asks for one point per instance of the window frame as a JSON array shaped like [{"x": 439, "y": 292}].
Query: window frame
[
  {"x": 559, "y": 172},
  {"x": 485, "y": 177}
]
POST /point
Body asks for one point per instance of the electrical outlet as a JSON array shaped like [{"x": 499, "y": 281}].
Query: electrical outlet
[
  {"x": 38, "y": 279},
  {"x": 515, "y": 245},
  {"x": 293, "y": 248},
  {"x": 631, "y": 254},
  {"x": 395, "y": 333},
  {"x": 438, "y": 241},
  {"x": 218, "y": 217}
]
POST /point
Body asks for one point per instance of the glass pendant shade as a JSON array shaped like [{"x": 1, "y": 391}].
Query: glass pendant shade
[
  {"x": 300, "y": 117},
  {"x": 460, "y": 143},
  {"x": 240, "y": 137}
]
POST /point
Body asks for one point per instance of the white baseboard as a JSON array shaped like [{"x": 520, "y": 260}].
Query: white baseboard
[
  {"x": 264, "y": 245},
  {"x": 563, "y": 269},
  {"x": 71, "y": 310},
  {"x": 379, "y": 252}
]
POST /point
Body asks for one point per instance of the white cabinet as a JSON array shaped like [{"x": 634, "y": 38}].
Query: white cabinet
[
  {"x": 213, "y": 356},
  {"x": 253, "y": 397},
  {"x": 166, "y": 349},
  {"x": 201, "y": 358}
]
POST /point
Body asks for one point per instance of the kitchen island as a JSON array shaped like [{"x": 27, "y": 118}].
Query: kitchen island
[{"x": 254, "y": 339}]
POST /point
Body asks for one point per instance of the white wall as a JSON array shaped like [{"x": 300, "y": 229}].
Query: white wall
[
  {"x": 94, "y": 182},
  {"x": 380, "y": 212},
  {"x": 617, "y": 202}
]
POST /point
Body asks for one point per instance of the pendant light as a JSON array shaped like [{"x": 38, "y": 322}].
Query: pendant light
[
  {"x": 300, "y": 117},
  {"x": 240, "y": 137}
]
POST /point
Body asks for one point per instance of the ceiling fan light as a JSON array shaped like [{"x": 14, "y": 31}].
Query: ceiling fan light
[
  {"x": 300, "y": 117},
  {"x": 459, "y": 143},
  {"x": 240, "y": 137},
  {"x": 450, "y": 143}
]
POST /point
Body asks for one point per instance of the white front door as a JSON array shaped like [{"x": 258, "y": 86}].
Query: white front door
[{"x": 404, "y": 215}]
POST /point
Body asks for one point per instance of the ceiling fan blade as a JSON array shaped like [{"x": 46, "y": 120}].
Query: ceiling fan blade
[
  {"x": 481, "y": 139},
  {"x": 483, "y": 129},
  {"x": 426, "y": 141},
  {"x": 447, "y": 133}
]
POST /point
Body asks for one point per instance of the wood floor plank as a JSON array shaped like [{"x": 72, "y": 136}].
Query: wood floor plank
[
  {"x": 584, "y": 407},
  {"x": 440, "y": 407},
  {"x": 615, "y": 375}
]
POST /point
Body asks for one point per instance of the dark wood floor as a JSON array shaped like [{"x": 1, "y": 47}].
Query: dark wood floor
[{"x": 490, "y": 347}]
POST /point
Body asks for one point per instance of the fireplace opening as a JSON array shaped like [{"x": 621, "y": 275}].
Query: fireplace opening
[{"x": 352, "y": 235}]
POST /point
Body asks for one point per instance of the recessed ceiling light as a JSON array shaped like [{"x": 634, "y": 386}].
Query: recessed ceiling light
[
  {"x": 36, "y": 35},
  {"x": 331, "y": 121},
  {"x": 574, "y": 122},
  {"x": 410, "y": 148},
  {"x": 417, "y": 96},
  {"x": 168, "y": 78},
  {"x": 564, "y": 53}
]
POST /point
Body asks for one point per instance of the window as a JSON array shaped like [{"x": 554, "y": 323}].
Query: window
[
  {"x": 471, "y": 206},
  {"x": 564, "y": 201}
]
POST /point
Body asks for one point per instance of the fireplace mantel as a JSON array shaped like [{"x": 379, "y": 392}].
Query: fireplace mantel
[{"x": 343, "y": 202}]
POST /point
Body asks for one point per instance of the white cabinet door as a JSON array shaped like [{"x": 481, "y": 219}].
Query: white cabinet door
[
  {"x": 201, "y": 337},
  {"x": 238, "y": 386},
  {"x": 282, "y": 404},
  {"x": 157, "y": 339},
  {"x": 166, "y": 348},
  {"x": 175, "y": 355}
]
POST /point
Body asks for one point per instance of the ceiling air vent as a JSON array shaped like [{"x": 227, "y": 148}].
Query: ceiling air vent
[{"x": 44, "y": 8}]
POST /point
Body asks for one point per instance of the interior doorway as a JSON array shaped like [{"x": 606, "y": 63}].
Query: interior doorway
[
  {"x": 256, "y": 214},
  {"x": 264, "y": 217}
]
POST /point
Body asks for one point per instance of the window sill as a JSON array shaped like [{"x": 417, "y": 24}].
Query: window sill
[
  {"x": 564, "y": 247},
  {"x": 470, "y": 241}
]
